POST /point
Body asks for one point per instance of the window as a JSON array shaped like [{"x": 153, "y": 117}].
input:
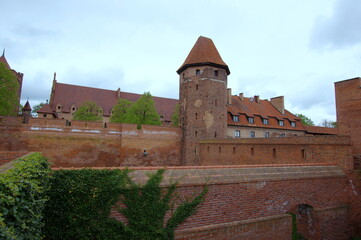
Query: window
[
  {"x": 198, "y": 72},
  {"x": 250, "y": 120},
  {"x": 196, "y": 115},
  {"x": 196, "y": 87},
  {"x": 252, "y": 151},
  {"x": 283, "y": 135},
  {"x": 274, "y": 152},
  {"x": 216, "y": 73},
  {"x": 281, "y": 123},
  {"x": 196, "y": 133},
  {"x": 252, "y": 134},
  {"x": 73, "y": 108},
  {"x": 303, "y": 153},
  {"x": 265, "y": 121},
  {"x": 237, "y": 134},
  {"x": 234, "y": 150},
  {"x": 266, "y": 135},
  {"x": 44, "y": 115},
  {"x": 235, "y": 118},
  {"x": 293, "y": 124},
  {"x": 183, "y": 75}
]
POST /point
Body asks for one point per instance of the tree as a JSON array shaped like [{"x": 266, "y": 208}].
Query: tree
[
  {"x": 328, "y": 123},
  {"x": 147, "y": 206},
  {"x": 175, "y": 116},
  {"x": 36, "y": 108},
  {"x": 143, "y": 111},
  {"x": 89, "y": 111},
  {"x": 120, "y": 110},
  {"x": 9, "y": 87},
  {"x": 305, "y": 120}
]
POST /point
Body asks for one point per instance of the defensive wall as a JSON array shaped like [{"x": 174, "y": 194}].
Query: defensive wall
[
  {"x": 91, "y": 144},
  {"x": 290, "y": 150},
  {"x": 348, "y": 108},
  {"x": 254, "y": 202}
]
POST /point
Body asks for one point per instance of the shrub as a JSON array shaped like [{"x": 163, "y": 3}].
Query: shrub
[{"x": 23, "y": 196}]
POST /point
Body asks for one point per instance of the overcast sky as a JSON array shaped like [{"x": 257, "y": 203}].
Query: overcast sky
[{"x": 290, "y": 48}]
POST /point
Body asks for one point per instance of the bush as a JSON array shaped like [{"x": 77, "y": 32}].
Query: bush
[
  {"x": 80, "y": 203},
  {"x": 22, "y": 198}
]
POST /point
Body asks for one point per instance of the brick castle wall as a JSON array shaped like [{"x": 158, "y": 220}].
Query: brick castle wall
[
  {"x": 89, "y": 144},
  {"x": 348, "y": 108},
  {"x": 290, "y": 150},
  {"x": 7, "y": 156}
]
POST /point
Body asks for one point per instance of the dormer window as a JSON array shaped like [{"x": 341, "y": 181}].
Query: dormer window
[
  {"x": 250, "y": 120},
  {"x": 265, "y": 121},
  {"x": 198, "y": 72},
  {"x": 58, "y": 108},
  {"x": 293, "y": 124},
  {"x": 281, "y": 123},
  {"x": 235, "y": 118}
]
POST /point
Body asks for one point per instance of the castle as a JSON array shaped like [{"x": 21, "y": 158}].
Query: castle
[{"x": 255, "y": 179}]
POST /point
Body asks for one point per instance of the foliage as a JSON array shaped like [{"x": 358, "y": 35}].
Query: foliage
[
  {"x": 22, "y": 198},
  {"x": 80, "y": 203},
  {"x": 36, "y": 108},
  {"x": 8, "y": 91},
  {"x": 305, "y": 120},
  {"x": 328, "y": 123},
  {"x": 147, "y": 205},
  {"x": 295, "y": 234},
  {"x": 175, "y": 116},
  {"x": 143, "y": 111},
  {"x": 88, "y": 111},
  {"x": 120, "y": 110}
]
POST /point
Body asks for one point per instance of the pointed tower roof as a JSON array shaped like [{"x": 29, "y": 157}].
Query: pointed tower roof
[
  {"x": 3, "y": 60},
  {"x": 204, "y": 52},
  {"x": 27, "y": 106}
]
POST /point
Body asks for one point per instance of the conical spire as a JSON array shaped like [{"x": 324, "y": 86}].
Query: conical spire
[
  {"x": 204, "y": 52},
  {"x": 27, "y": 106}
]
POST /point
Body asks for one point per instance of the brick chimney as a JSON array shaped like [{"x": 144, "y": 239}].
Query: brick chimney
[
  {"x": 240, "y": 95},
  {"x": 256, "y": 98},
  {"x": 229, "y": 96},
  {"x": 279, "y": 104}
]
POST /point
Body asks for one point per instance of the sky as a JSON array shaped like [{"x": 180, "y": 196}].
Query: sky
[{"x": 291, "y": 48}]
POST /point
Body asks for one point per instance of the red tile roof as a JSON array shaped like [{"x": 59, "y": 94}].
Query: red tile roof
[
  {"x": 45, "y": 109},
  {"x": 204, "y": 52},
  {"x": 27, "y": 106},
  {"x": 259, "y": 110},
  {"x": 321, "y": 130},
  {"x": 68, "y": 95}
]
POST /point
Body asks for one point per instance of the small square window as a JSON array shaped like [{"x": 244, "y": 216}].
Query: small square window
[
  {"x": 266, "y": 135},
  {"x": 237, "y": 133},
  {"x": 198, "y": 72},
  {"x": 235, "y": 118},
  {"x": 44, "y": 115},
  {"x": 293, "y": 124},
  {"x": 252, "y": 134},
  {"x": 283, "y": 135},
  {"x": 281, "y": 123},
  {"x": 216, "y": 73},
  {"x": 250, "y": 120},
  {"x": 265, "y": 121}
]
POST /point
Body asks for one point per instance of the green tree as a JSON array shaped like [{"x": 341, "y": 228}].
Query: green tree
[
  {"x": 143, "y": 111},
  {"x": 9, "y": 87},
  {"x": 120, "y": 110},
  {"x": 175, "y": 116},
  {"x": 89, "y": 111},
  {"x": 146, "y": 207},
  {"x": 36, "y": 108},
  {"x": 328, "y": 123},
  {"x": 305, "y": 120}
]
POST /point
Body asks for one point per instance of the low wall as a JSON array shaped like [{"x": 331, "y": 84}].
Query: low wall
[
  {"x": 92, "y": 144},
  {"x": 252, "y": 202},
  {"x": 289, "y": 150}
]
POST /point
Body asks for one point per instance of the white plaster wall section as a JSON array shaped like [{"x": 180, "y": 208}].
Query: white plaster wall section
[
  {"x": 132, "y": 133},
  {"x": 114, "y": 132},
  {"x": 159, "y": 132},
  {"x": 85, "y": 131},
  {"x": 46, "y": 129}
]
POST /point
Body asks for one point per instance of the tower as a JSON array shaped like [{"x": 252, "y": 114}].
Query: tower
[{"x": 202, "y": 98}]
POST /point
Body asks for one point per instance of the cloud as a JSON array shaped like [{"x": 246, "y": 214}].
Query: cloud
[{"x": 341, "y": 29}]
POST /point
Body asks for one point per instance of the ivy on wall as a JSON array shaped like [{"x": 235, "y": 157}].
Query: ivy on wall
[{"x": 23, "y": 197}]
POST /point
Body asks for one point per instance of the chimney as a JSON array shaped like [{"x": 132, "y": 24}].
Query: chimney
[
  {"x": 240, "y": 96},
  {"x": 256, "y": 98},
  {"x": 229, "y": 96},
  {"x": 118, "y": 93},
  {"x": 279, "y": 104}
]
